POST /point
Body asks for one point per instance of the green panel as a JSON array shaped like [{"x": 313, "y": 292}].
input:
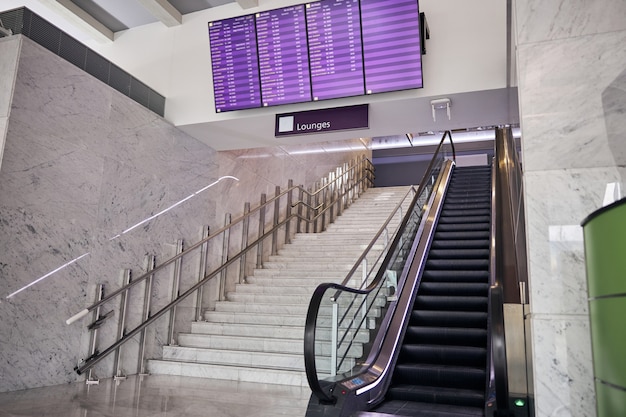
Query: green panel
[
  {"x": 608, "y": 337},
  {"x": 611, "y": 401},
  {"x": 605, "y": 252}
]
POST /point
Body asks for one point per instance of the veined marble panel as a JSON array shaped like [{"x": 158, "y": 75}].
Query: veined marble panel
[
  {"x": 614, "y": 104},
  {"x": 556, "y": 203},
  {"x": 541, "y": 20},
  {"x": 563, "y": 377},
  {"x": 9, "y": 51},
  {"x": 561, "y": 86}
]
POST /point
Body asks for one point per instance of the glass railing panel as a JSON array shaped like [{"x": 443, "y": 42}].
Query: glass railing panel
[{"x": 349, "y": 319}]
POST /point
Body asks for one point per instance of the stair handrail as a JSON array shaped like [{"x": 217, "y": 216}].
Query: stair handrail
[
  {"x": 318, "y": 294},
  {"x": 364, "y": 181}
]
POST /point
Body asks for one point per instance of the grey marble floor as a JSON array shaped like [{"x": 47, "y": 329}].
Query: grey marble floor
[{"x": 157, "y": 396}]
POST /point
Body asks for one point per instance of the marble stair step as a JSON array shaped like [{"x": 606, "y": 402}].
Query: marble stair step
[
  {"x": 268, "y": 331},
  {"x": 269, "y": 298},
  {"x": 278, "y": 299},
  {"x": 299, "y": 277},
  {"x": 267, "y": 308},
  {"x": 251, "y": 359},
  {"x": 312, "y": 282},
  {"x": 228, "y": 372},
  {"x": 272, "y": 289},
  {"x": 207, "y": 345},
  {"x": 338, "y": 258},
  {"x": 230, "y": 317}
]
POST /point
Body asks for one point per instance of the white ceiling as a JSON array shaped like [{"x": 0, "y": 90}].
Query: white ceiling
[{"x": 104, "y": 18}]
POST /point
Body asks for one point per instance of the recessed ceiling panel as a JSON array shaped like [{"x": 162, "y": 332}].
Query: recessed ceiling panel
[
  {"x": 117, "y": 15},
  {"x": 190, "y": 6}
]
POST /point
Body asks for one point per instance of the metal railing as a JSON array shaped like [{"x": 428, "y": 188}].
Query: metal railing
[{"x": 311, "y": 211}]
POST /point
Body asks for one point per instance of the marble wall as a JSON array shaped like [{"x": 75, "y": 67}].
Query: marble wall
[
  {"x": 571, "y": 61},
  {"x": 82, "y": 165}
]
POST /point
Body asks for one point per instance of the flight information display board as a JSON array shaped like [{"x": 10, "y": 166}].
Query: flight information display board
[
  {"x": 391, "y": 45},
  {"x": 335, "y": 53},
  {"x": 315, "y": 51},
  {"x": 283, "y": 63},
  {"x": 236, "y": 83}
]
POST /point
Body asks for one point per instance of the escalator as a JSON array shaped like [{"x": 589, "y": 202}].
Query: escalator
[
  {"x": 437, "y": 348},
  {"x": 441, "y": 369}
]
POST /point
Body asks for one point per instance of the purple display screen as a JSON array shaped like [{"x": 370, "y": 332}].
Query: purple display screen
[
  {"x": 235, "y": 64},
  {"x": 317, "y": 51},
  {"x": 391, "y": 45},
  {"x": 335, "y": 49},
  {"x": 283, "y": 63}
]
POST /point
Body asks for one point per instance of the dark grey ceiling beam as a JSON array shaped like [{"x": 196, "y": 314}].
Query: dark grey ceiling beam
[
  {"x": 86, "y": 22},
  {"x": 164, "y": 11}
]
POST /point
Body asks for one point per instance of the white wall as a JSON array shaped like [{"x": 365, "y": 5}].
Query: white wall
[{"x": 466, "y": 52}]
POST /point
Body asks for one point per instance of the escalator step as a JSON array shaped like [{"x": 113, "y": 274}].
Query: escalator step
[
  {"x": 450, "y": 303},
  {"x": 443, "y": 355},
  {"x": 440, "y": 376},
  {"x": 458, "y": 253},
  {"x": 467, "y": 235},
  {"x": 486, "y": 205},
  {"x": 463, "y": 227},
  {"x": 455, "y": 276},
  {"x": 464, "y": 319},
  {"x": 464, "y": 219},
  {"x": 447, "y": 335},
  {"x": 458, "y": 264},
  {"x": 454, "y": 288},
  {"x": 460, "y": 244},
  {"x": 447, "y": 212},
  {"x": 419, "y": 409},
  {"x": 437, "y": 395},
  {"x": 468, "y": 200}
]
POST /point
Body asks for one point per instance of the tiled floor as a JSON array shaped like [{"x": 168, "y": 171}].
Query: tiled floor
[{"x": 157, "y": 396}]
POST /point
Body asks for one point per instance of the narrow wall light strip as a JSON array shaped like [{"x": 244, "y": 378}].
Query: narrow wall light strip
[{"x": 124, "y": 232}]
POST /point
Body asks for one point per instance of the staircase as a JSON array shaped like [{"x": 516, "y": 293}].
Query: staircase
[
  {"x": 257, "y": 334},
  {"x": 441, "y": 369}
]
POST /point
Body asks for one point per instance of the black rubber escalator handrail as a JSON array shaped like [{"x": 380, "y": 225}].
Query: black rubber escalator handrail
[
  {"x": 316, "y": 298},
  {"x": 309, "y": 335},
  {"x": 498, "y": 347}
]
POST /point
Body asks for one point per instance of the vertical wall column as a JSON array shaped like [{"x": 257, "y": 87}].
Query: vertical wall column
[
  {"x": 9, "y": 51},
  {"x": 568, "y": 56}
]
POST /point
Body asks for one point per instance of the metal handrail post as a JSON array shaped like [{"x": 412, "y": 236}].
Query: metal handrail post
[
  {"x": 94, "y": 333},
  {"x": 121, "y": 326},
  {"x": 175, "y": 291},
  {"x": 333, "y": 339},
  {"x": 259, "y": 252},
  {"x": 323, "y": 202},
  {"x": 150, "y": 264},
  {"x": 204, "y": 263},
  {"x": 275, "y": 223},
  {"x": 225, "y": 247},
  {"x": 330, "y": 201},
  {"x": 299, "y": 219},
  {"x": 244, "y": 243},
  {"x": 288, "y": 212},
  {"x": 308, "y": 212}
]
